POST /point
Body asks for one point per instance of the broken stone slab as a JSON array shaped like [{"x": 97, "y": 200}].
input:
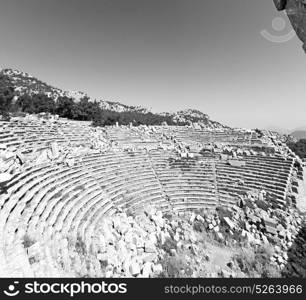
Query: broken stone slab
[
  {"x": 270, "y": 222},
  {"x": 210, "y": 226},
  {"x": 192, "y": 218},
  {"x": 265, "y": 240},
  {"x": 282, "y": 234},
  {"x": 153, "y": 237},
  {"x": 148, "y": 257},
  {"x": 220, "y": 236},
  {"x": 162, "y": 237},
  {"x": 34, "y": 250},
  {"x": 236, "y": 163},
  {"x": 249, "y": 237},
  {"x": 157, "y": 269},
  {"x": 150, "y": 211},
  {"x": 149, "y": 247},
  {"x": 200, "y": 219},
  {"x": 229, "y": 222},
  {"x": 158, "y": 220},
  {"x": 102, "y": 257},
  {"x": 20, "y": 157},
  {"x": 7, "y": 164},
  {"x": 43, "y": 157},
  {"x": 5, "y": 177},
  {"x": 147, "y": 269},
  {"x": 226, "y": 274},
  {"x": 277, "y": 248},
  {"x": 271, "y": 230},
  {"x": 254, "y": 219},
  {"x": 70, "y": 162},
  {"x": 216, "y": 229},
  {"x": 55, "y": 150},
  {"x": 134, "y": 268}
]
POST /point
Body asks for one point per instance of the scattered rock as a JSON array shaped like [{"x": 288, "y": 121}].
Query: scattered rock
[
  {"x": 134, "y": 269},
  {"x": 147, "y": 269},
  {"x": 229, "y": 222}
]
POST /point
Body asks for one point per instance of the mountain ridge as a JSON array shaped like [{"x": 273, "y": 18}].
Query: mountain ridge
[{"x": 26, "y": 84}]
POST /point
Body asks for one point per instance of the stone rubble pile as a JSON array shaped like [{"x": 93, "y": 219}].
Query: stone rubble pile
[
  {"x": 136, "y": 246},
  {"x": 130, "y": 246},
  {"x": 99, "y": 141},
  {"x": 253, "y": 222},
  {"x": 10, "y": 164},
  {"x": 257, "y": 223},
  {"x": 123, "y": 246},
  {"x": 58, "y": 154},
  {"x": 13, "y": 162}
]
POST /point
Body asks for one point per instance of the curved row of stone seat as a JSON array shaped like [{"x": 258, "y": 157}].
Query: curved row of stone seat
[
  {"x": 39, "y": 188},
  {"x": 30, "y": 196},
  {"x": 22, "y": 183},
  {"x": 256, "y": 173},
  {"x": 279, "y": 169},
  {"x": 78, "y": 176},
  {"x": 12, "y": 218},
  {"x": 48, "y": 200},
  {"x": 271, "y": 174},
  {"x": 125, "y": 181},
  {"x": 189, "y": 135},
  {"x": 187, "y": 181},
  {"x": 35, "y": 193},
  {"x": 30, "y": 136},
  {"x": 132, "y": 136},
  {"x": 8, "y": 202}
]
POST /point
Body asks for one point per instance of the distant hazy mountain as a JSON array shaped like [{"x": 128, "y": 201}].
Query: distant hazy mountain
[
  {"x": 301, "y": 128},
  {"x": 278, "y": 129},
  {"x": 299, "y": 134}
]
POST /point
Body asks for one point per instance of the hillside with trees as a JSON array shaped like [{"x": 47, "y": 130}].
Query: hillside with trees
[
  {"x": 21, "y": 92},
  {"x": 299, "y": 147},
  {"x": 65, "y": 107}
]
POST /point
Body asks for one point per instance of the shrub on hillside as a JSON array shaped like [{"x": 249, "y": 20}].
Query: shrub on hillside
[
  {"x": 35, "y": 104},
  {"x": 80, "y": 246},
  {"x": 299, "y": 147},
  {"x": 28, "y": 241},
  {"x": 256, "y": 262},
  {"x": 6, "y": 97},
  {"x": 174, "y": 267},
  {"x": 168, "y": 245}
]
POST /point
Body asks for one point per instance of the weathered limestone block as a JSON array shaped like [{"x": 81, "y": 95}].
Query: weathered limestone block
[{"x": 5, "y": 177}]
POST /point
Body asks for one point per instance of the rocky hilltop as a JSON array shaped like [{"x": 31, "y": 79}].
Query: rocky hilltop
[{"x": 26, "y": 84}]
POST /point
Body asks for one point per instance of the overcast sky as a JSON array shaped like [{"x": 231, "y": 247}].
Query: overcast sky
[{"x": 162, "y": 54}]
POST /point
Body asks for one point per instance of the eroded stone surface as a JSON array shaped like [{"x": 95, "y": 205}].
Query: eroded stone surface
[{"x": 296, "y": 11}]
